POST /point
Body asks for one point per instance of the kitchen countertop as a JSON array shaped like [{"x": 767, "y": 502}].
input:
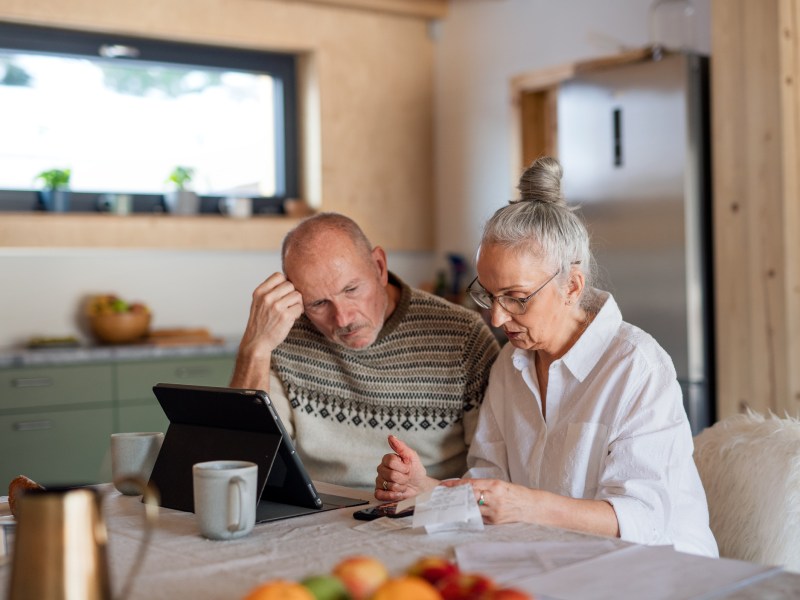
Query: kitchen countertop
[{"x": 24, "y": 357}]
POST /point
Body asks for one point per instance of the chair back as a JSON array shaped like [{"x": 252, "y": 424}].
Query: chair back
[{"x": 750, "y": 468}]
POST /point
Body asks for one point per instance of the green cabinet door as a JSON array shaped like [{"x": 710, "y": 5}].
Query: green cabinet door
[
  {"x": 34, "y": 387},
  {"x": 57, "y": 447}
]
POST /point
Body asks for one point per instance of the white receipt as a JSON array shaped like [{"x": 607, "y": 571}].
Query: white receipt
[{"x": 446, "y": 509}]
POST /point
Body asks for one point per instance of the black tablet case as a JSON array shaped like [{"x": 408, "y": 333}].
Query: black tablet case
[{"x": 214, "y": 423}]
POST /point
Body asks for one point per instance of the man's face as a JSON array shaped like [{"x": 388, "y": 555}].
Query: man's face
[{"x": 344, "y": 289}]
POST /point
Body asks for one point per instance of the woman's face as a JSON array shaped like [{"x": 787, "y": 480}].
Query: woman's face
[{"x": 545, "y": 323}]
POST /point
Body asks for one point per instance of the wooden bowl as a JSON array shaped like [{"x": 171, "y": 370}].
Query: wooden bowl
[{"x": 120, "y": 328}]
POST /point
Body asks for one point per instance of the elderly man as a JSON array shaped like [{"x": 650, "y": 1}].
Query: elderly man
[{"x": 350, "y": 354}]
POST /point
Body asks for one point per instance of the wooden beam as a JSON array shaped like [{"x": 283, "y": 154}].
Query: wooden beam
[
  {"x": 546, "y": 78},
  {"x": 87, "y": 230},
  {"x": 426, "y": 9}
]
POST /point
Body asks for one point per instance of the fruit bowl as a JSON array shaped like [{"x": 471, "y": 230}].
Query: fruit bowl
[{"x": 120, "y": 328}]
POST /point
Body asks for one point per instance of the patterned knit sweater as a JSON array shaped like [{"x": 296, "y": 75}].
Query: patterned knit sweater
[{"x": 422, "y": 380}]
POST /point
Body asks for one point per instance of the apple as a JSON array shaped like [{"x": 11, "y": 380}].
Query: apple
[
  {"x": 119, "y": 306},
  {"x": 432, "y": 568},
  {"x": 361, "y": 575},
  {"x": 137, "y": 307},
  {"x": 406, "y": 588},
  {"x": 326, "y": 587},
  {"x": 465, "y": 586}
]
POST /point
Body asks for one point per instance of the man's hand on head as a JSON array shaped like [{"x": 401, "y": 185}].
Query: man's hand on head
[{"x": 275, "y": 307}]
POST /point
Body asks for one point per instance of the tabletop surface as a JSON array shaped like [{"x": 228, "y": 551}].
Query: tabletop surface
[{"x": 181, "y": 563}]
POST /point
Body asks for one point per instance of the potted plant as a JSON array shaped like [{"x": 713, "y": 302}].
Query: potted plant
[
  {"x": 55, "y": 195},
  {"x": 181, "y": 201}
]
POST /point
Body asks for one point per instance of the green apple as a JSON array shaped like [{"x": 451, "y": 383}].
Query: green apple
[{"x": 326, "y": 587}]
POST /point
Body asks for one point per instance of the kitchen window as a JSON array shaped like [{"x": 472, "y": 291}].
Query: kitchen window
[{"x": 122, "y": 112}]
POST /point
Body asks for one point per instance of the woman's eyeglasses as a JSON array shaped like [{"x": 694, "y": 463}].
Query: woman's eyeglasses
[{"x": 513, "y": 306}]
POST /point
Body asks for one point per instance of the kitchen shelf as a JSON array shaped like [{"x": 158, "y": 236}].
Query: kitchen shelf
[{"x": 200, "y": 232}]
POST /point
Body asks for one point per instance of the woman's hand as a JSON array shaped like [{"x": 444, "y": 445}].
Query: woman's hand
[
  {"x": 401, "y": 474},
  {"x": 504, "y": 502},
  {"x": 501, "y": 501}
]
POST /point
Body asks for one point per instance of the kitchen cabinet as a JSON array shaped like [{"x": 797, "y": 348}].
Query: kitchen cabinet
[
  {"x": 55, "y": 423},
  {"x": 57, "y": 446},
  {"x": 56, "y": 420}
]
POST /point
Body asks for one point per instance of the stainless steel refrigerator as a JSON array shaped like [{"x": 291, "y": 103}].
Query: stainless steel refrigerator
[{"x": 634, "y": 144}]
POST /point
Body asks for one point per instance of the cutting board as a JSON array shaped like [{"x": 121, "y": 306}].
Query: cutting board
[{"x": 181, "y": 336}]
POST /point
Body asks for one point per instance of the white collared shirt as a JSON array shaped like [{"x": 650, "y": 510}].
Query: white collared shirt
[{"x": 616, "y": 430}]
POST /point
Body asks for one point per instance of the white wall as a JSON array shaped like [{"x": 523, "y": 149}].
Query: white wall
[
  {"x": 481, "y": 45},
  {"x": 42, "y": 291}
]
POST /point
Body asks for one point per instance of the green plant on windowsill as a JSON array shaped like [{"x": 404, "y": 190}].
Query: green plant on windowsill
[
  {"x": 55, "y": 179},
  {"x": 181, "y": 177},
  {"x": 181, "y": 201},
  {"x": 55, "y": 195}
]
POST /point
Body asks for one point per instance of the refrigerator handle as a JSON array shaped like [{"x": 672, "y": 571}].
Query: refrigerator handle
[{"x": 616, "y": 117}]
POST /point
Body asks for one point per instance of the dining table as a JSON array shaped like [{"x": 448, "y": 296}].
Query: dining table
[{"x": 180, "y": 563}]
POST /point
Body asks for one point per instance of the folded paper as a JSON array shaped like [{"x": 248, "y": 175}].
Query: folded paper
[{"x": 446, "y": 509}]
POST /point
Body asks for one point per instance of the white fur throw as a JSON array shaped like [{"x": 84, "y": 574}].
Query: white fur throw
[{"x": 750, "y": 467}]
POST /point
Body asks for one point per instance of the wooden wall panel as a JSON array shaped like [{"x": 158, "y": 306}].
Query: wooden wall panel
[
  {"x": 755, "y": 214},
  {"x": 789, "y": 17}
]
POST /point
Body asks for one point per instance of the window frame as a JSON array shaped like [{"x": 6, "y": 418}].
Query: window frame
[{"x": 281, "y": 66}]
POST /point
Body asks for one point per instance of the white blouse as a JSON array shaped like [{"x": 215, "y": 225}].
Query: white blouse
[{"x": 616, "y": 430}]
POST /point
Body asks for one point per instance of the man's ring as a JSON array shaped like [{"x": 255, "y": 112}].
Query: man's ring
[
  {"x": 481, "y": 500},
  {"x": 385, "y": 485}
]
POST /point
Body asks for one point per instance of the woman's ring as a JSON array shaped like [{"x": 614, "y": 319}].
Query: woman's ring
[
  {"x": 481, "y": 500},
  {"x": 385, "y": 485}
]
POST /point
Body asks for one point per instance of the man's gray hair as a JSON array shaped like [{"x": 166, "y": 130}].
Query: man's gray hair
[{"x": 326, "y": 221}]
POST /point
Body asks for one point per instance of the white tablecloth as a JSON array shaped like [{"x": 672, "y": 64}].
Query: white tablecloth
[{"x": 182, "y": 564}]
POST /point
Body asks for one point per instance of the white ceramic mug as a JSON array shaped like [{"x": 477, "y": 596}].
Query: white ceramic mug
[
  {"x": 239, "y": 208},
  {"x": 133, "y": 455},
  {"x": 225, "y": 498}
]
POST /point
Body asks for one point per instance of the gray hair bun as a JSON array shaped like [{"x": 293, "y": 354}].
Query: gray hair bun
[{"x": 541, "y": 182}]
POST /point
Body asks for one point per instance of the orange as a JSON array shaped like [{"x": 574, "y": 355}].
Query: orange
[
  {"x": 407, "y": 588},
  {"x": 279, "y": 589}
]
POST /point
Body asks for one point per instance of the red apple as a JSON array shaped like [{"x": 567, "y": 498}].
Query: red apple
[
  {"x": 465, "y": 586},
  {"x": 361, "y": 575},
  {"x": 432, "y": 568}
]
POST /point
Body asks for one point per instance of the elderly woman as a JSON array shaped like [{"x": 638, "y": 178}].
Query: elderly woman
[{"x": 582, "y": 425}]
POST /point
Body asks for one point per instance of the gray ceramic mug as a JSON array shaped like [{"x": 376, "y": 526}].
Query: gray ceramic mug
[
  {"x": 133, "y": 455},
  {"x": 225, "y": 498}
]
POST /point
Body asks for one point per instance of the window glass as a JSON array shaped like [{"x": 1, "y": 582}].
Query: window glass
[{"x": 121, "y": 119}]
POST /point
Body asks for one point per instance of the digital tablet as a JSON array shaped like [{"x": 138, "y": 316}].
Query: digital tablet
[{"x": 216, "y": 423}]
